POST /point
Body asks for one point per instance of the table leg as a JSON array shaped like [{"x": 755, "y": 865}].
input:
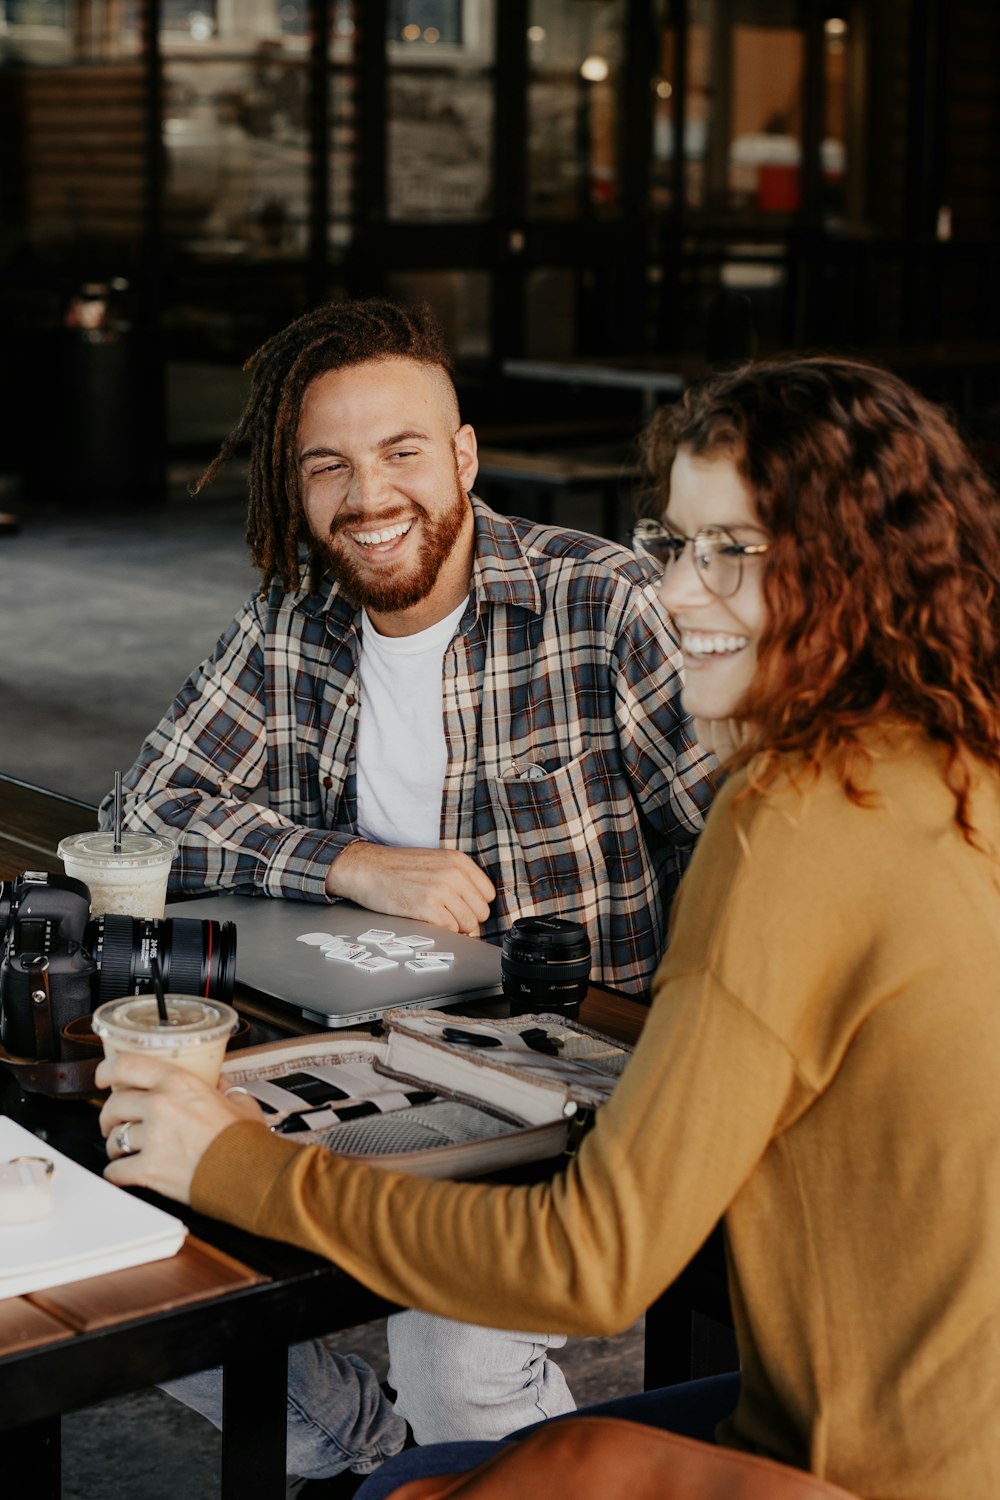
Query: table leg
[
  {"x": 36, "y": 1450},
  {"x": 254, "y": 1392}
]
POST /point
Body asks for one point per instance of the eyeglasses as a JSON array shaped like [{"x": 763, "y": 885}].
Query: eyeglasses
[{"x": 718, "y": 556}]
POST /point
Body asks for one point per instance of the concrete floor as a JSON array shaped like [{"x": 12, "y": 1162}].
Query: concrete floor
[{"x": 101, "y": 618}]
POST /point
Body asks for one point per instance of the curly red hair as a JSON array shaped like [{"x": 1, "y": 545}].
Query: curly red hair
[{"x": 882, "y": 581}]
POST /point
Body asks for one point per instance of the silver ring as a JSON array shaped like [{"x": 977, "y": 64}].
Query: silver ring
[{"x": 121, "y": 1139}]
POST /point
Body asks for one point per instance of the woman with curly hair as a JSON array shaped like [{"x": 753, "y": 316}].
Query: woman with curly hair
[{"x": 819, "y": 1064}]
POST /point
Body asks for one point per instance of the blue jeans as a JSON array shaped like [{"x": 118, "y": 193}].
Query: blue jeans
[
  {"x": 454, "y": 1381},
  {"x": 694, "y": 1409}
]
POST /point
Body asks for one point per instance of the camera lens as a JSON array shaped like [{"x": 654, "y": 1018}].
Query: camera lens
[
  {"x": 545, "y": 965},
  {"x": 196, "y": 958}
]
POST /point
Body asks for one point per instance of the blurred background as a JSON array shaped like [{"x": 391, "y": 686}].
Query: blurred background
[{"x": 600, "y": 198}]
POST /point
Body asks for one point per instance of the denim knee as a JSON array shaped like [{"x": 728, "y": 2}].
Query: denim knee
[
  {"x": 338, "y": 1417},
  {"x": 457, "y": 1381}
]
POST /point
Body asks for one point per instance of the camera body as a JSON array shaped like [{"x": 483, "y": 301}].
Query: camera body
[
  {"x": 46, "y": 918},
  {"x": 59, "y": 963}
]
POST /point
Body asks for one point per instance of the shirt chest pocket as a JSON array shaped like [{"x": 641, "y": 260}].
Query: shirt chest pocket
[{"x": 546, "y": 825}]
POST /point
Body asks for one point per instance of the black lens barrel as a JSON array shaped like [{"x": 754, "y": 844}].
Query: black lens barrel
[
  {"x": 196, "y": 958},
  {"x": 545, "y": 965}
]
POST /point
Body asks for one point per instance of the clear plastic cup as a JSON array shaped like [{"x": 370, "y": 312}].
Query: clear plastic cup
[
  {"x": 195, "y": 1037},
  {"x": 130, "y": 883}
]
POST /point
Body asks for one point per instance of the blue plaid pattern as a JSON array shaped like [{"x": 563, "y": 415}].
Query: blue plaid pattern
[{"x": 564, "y": 661}]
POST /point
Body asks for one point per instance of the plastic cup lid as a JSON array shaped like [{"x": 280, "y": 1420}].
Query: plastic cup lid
[
  {"x": 191, "y": 1016},
  {"x": 137, "y": 849}
]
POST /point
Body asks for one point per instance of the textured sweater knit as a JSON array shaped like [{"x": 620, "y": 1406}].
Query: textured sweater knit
[{"x": 820, "y": 1065}]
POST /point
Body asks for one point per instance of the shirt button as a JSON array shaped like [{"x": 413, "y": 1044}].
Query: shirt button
[
  {"x": 328, "y": 782},
  {"x": 350, "y": 700}
]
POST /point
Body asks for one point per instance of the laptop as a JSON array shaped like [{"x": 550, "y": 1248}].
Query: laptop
[{"x": 302, "y": 955}]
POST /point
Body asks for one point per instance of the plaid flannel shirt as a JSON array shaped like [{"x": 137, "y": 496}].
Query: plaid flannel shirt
[{"x": 563, "y": 662}]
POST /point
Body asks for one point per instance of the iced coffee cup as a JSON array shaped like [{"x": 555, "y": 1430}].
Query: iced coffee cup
[
  {"x": 194, "y": 1037},
  {"x": 129, "y": 883}
]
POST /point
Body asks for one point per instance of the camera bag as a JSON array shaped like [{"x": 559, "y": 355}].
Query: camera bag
[{"x": 424, "y": 1098}]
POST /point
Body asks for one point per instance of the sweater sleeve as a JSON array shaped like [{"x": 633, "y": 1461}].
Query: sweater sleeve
[{"x": 584, "y": 1253}]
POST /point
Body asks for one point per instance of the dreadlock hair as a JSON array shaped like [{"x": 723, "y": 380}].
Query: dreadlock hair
[
  {"x": 331, "y": 337},
  {"x": 882, "y": 581}
]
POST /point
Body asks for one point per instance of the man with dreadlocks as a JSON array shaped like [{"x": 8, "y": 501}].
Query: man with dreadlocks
[{"x": 456, "y": 717}]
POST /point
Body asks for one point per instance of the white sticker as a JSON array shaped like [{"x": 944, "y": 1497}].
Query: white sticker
[
  {"x": 425, "y": 965},
  {"x": 348, "y": 955},
  {"x": 375, "y": 935},
  {"x": 394, "y": 948},
  {"x": 314, "y": 939},
  {"x": 414, "y": 940},
  {"x": 375, "y": 964},
  {"x": 444, "y": 957}
]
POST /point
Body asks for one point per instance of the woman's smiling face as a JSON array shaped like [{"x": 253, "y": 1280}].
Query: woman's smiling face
[{"x": 718, "y": 636}]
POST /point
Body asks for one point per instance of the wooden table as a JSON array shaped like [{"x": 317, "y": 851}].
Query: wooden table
[{"x": 227, "y": 1298}]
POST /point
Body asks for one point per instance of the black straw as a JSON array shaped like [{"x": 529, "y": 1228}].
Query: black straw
[
  {"x": 118, "y": 812},
  {"x": 161, "y": 1000}
]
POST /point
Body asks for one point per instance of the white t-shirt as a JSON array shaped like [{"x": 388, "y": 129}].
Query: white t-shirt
[{"x": 401, "y": 751}]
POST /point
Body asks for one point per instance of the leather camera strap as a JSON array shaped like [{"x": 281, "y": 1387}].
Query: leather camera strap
[
  {"x": 41, "y": 1007},
  {"x": 37, "y": 1077}
]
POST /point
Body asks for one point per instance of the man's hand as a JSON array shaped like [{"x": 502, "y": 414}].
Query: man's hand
[
  {"x": 442, "y": 886},
  {"x": 173, "y": 1117}
]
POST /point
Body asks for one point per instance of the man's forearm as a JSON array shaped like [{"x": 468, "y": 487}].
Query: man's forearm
[{"x": 229, "y": 843}]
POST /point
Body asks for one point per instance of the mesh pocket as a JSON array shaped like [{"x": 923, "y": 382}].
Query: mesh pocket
[{"x": 417, "y": 1129}]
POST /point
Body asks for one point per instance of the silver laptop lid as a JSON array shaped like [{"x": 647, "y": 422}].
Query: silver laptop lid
[{"x": 286, "y": 952}]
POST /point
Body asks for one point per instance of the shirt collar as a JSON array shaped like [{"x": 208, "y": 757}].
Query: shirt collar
[{"x": 502, "y": 573}]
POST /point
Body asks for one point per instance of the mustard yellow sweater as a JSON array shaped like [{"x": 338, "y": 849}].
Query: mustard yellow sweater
[{"x": 821, "y": 1064}]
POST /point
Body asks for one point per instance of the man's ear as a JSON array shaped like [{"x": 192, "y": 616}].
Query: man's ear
[{"x": 466, "y": 457}]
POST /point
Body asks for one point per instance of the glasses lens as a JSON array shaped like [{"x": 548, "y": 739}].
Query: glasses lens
[
  {"x": 720, "y": 562},
  {"x": 656, "y": 547}
]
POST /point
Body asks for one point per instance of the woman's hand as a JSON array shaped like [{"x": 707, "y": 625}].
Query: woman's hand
[{"x": 168, "y": 1118}]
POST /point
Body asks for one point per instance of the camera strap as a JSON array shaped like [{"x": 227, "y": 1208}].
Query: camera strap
[
  {"x": 75, "y": 1079},
  {"x": 41, "y": 1006}
]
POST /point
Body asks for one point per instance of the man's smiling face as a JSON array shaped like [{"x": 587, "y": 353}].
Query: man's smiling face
[{"x": 385, "y": 470}]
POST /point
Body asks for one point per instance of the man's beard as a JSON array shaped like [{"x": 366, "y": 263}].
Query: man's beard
[{"x": 401, "y": 589}]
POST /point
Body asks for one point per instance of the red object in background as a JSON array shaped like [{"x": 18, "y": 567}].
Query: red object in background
[{"x": 777, "y": 187}]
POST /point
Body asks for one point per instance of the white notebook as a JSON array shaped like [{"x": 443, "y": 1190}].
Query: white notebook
[{"x": 94, "y": 1226}]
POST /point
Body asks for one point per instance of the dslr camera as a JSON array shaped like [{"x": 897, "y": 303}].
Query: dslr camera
[{"x": 59, "y": 963}]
